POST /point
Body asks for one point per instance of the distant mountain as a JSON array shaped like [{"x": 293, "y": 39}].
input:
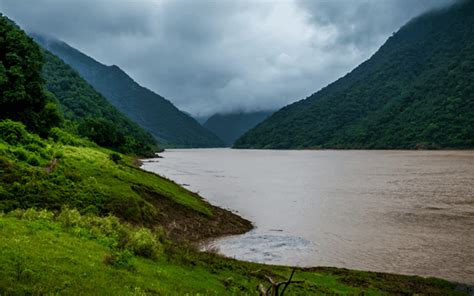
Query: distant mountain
[
  {"x": 417, "y": 91},
  {"x": 170, "y": 126},
  {"x": 201, "y": 119},
  {"x": 229, "y": 127}
]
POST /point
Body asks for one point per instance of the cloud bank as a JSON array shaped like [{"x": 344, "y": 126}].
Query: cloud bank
[{"x": 222, "y": 56}]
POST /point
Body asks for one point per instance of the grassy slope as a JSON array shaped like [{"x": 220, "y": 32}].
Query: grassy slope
[
  {"x": 39, "y": 256},
  {"x": 47, "y": 174}
]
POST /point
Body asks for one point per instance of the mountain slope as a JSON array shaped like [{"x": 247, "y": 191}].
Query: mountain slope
[
  {"x": 229, "y": 127},
  {"x": 22, "y": 96},
  {"x": 161, "y": 118},
  {"x": 415, "y": 92},
  {"x": 87, "y": 108}
]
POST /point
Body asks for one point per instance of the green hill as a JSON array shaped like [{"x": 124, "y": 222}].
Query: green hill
[
  {"x": 416, "y": 91},
  {"x": 229, "y": 127},
  {"x": 170, "y": 126},
  {"x": 91, "y": 114}
]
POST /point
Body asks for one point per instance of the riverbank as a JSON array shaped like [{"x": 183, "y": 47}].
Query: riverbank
[
  {"x": 146, "y": 249},
  {"x": 39, "y": 255}
]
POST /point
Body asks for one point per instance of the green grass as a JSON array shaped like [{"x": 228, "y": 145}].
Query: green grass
[
  {"x": 116, "y": 180},
  {"x": 48, "y": 174},
  {"x": 39, "y": 256}
]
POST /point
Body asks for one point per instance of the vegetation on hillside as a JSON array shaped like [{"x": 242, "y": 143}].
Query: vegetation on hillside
[
  {"x": 170, "y": 126},
  {"x": 24, "y": 67},
  {"x": 229, "y": 127},
  {"x": 63, "y": 253},
  {"x": 415, "y": 92},
  {"x": 91, "y": 115},
  {"x": 68, "y": 171},
  {"x": 22, "y": 96}
]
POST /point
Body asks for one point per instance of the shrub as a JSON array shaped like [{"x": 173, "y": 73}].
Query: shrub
[
  {"x": 144, "y": 243},
  {"x": 15, "y": 133},
  {"x": 62, "y": 137},
  {"x": 32, "y": 214},
  {"x": 33, "y": 160},
  {"x": 21, "y": 154},
  {"x": 115, "y": 157},
  {"x": 123, "y": 238},
  {"x": 69, "y": 217},
  {"x": 120, "y": 259}
]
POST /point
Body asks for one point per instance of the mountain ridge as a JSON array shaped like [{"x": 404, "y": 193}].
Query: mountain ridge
[
  {"x": 230, "y": 126},
  {"x": 384, "y": 103},
  {"x": 170, "y": 126}
]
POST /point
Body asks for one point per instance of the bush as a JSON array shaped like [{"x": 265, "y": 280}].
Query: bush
[
  {"x": 69, "y": 218},
  {"x": 144, "y": 243},
  {"x": 32, "y": 214},
  {"x": 33, "y": 160},
  {"x": 62, "y": 137},
  {"x": 15, "y": 133},
  {"x": 115, "y": 157},
  {"x": 121, "y": 259},
  {"x": 123, "y": 238}
]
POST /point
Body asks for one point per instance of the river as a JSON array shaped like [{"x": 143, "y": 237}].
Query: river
[{"x": 408, "y": 212}]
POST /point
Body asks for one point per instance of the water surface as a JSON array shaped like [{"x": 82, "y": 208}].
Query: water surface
[{"x": 409, "y": 212}]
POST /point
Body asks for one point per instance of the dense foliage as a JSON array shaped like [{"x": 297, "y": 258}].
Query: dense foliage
[
  {"x": 415, "y": 92},
  {"x": 229, "y": 127},
  {"x": 169, "y": 126},
  {"x": 92, "y": 115},
  {"x": 22, "y": 96}
]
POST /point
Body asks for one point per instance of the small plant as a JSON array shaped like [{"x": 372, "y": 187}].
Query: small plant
[
  {"x": 144, "y": 243},
  {"x": 115, "y": 157},
  {"x": 121, "y": 259},
  {"x": 69, "y": 218},
  {"x": 33, "y": 160},
  {"x": 33, "y": 214}
]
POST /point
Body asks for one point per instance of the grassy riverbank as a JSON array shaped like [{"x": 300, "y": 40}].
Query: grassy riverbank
[
  {"x": 43, "y": 254},
  {"x": 77, "y": 245}
]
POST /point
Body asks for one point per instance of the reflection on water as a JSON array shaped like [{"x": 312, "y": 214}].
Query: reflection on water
[{"x": 407, "y": 212}]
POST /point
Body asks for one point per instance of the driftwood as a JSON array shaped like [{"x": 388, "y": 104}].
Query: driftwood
[{"x": 273, "y": 290}]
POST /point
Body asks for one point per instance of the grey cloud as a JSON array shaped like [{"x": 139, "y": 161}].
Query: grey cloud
[
  {"x": 218, "y": 56},
  {"x": 365, "y": 22}
]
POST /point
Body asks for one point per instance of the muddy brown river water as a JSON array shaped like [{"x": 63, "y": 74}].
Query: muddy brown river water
[{"x": 408, "y": 212}]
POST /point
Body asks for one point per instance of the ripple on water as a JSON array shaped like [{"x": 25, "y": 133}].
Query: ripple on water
[{"x": 263, "y": 248}]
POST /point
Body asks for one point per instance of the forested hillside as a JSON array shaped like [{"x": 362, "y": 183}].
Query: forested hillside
[
  {"x": 229, "y": 127},
  {"x": 90, "y": 113},
  {"x": 22, "y": 96},
  {"x": 170, "y": 126},
  {"x": 415, "y": 92}
]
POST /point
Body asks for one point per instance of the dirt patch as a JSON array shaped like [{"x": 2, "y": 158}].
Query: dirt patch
[
  {"x": 137, "y": 163},
  {"x": 51, "y": 165},
  {"x": 182, "y": 224}
]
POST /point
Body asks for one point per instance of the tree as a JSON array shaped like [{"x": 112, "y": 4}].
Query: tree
[{"x": 22, "y": 97}]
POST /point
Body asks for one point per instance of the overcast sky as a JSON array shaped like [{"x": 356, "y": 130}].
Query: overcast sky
[{"x": 221, "y": 56}]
